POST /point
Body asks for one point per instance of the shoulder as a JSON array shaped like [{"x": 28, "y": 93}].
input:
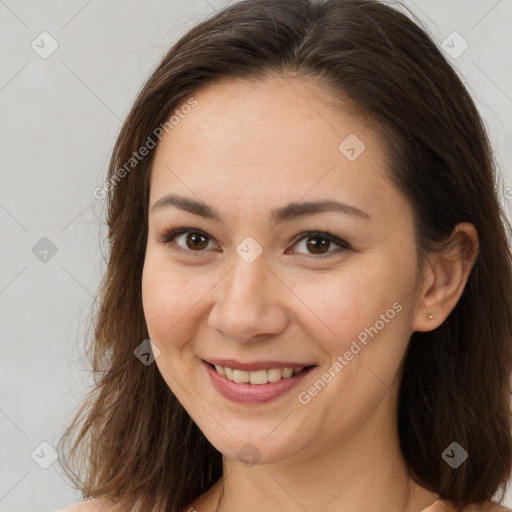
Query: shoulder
[
  {"x": 447, "y": 506},
  {"x": 94, "y": 505},
  {"x": 488, "y": 506}
]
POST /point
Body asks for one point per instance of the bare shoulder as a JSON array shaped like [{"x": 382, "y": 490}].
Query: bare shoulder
[
  {"x": 94, "y": 505},
  {"x": 488, "y": 506},
  {"x": 447, "y": 506},
  {"x": 492, "y": 506}
]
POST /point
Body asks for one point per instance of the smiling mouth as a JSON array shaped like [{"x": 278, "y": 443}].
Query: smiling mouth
[{"x": 258, "y": 377}]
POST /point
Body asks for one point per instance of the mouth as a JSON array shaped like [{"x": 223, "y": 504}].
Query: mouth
[
  {"x": 258, "y": 377},
  {"x": 255, "y": 382}
]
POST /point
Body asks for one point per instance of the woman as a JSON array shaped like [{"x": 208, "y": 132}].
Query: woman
[{"x": 304, "y": 222}]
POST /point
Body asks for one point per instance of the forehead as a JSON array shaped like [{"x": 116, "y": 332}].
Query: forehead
[
  {"x": 268, "y": 116},
  {"x": 272, "y": 141}
]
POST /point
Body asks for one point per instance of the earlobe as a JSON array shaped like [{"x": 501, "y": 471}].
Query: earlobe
[{"x": 449, "y": 272}]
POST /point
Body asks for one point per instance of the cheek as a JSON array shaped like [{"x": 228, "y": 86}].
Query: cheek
[
  {"x": 175, "y": 301},
  {"x": 343, "y": 301},
  {"x": 166, "y": 301},
  {"x": 367, "y": 303}
]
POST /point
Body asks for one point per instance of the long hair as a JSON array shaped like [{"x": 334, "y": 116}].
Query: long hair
[{"x": 131, "y": 439}]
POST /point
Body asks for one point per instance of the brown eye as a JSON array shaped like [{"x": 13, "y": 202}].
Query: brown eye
[
  {"x": 196, "y": 241},
  {"x": 186, "y": 240},
  {"x": 317, "y": 245},
  {"x": 313, "y": 243}
]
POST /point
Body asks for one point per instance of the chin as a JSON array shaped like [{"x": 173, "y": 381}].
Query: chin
[{"x": 254, "y": 442}]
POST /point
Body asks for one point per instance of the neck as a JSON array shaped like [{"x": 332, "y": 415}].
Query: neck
[{"x": 363, "y": 472}]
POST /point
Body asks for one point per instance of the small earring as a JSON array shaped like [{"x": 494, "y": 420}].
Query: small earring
[{"x": 430, "y": 316}]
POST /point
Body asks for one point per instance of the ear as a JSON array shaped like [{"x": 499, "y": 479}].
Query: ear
[{"x": 445, "y": 278}]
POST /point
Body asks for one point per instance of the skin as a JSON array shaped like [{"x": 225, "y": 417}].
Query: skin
[{"x": 245, "y": 149}]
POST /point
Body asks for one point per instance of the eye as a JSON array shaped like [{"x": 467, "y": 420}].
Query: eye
[
  {"x": 186, "y": 239},
  {"x": 191, "y": 240},
  {"x": 318, "y": 243}
]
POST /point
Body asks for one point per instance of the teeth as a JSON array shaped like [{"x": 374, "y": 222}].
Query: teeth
[
  {"x": 258, "y": 376},
  {"x": 240, "y": 376},
  {"x": 287, "y": 372},
  {"x": 274, "y": 374}
]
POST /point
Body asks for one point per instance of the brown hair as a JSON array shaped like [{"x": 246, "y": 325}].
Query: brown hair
[{"x": 131, "y": 436}]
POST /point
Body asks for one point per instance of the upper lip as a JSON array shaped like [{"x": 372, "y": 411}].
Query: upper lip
[{"x": 255, "y": 365}]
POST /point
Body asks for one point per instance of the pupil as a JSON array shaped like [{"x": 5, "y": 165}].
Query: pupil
[
  {"x": 196, "y": 241},
  {"x": 317, "y": 248}
]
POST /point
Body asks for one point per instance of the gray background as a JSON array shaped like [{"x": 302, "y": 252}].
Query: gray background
[{"x": 59, "y": 119}]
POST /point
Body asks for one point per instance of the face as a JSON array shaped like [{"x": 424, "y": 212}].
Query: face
[{"x": 293, "y": 250}]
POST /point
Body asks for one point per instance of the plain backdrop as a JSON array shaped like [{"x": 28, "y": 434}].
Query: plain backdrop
[{"x": 70, "y": 72}]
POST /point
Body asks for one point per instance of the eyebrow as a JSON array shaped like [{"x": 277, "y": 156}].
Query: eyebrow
[{"x": 277, "y": 215}]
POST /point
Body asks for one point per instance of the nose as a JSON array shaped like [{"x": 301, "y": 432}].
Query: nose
[{"x": 248, "y": 306}]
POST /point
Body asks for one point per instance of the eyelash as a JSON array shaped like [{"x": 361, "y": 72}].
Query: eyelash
[{"x": 168, "y": 238}]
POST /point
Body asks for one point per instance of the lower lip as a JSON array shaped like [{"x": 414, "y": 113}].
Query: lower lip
[{"x": 253, "y": 393}]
